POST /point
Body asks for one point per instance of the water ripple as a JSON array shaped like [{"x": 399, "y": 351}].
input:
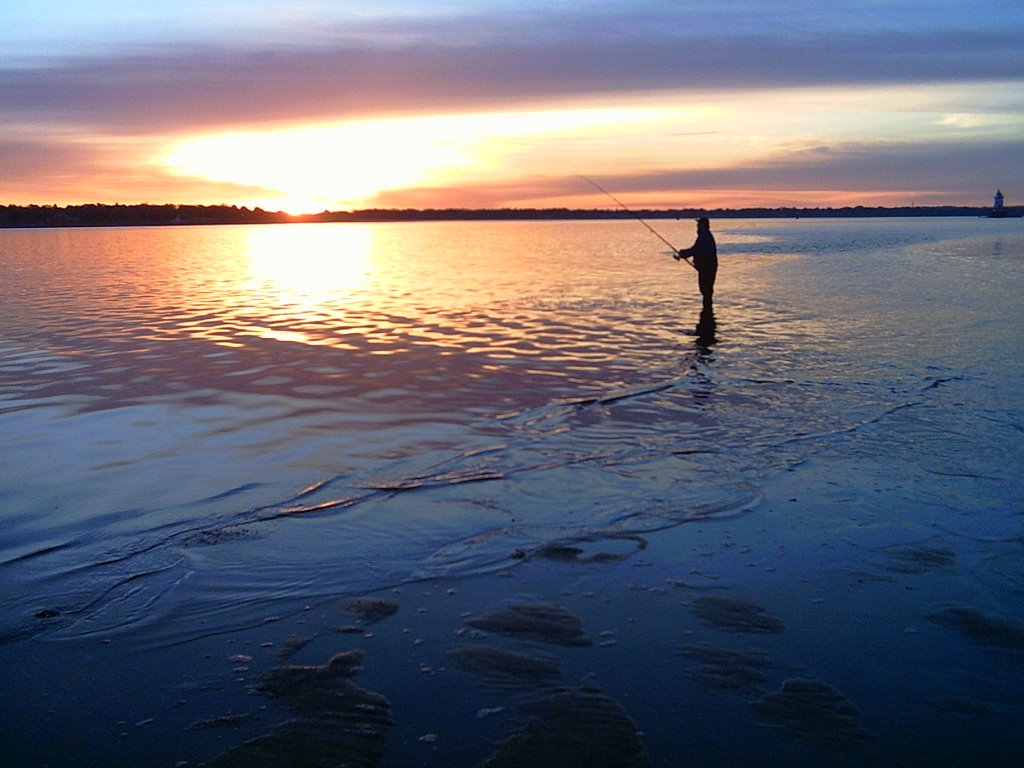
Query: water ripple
[{"x": 188, "y": 413}]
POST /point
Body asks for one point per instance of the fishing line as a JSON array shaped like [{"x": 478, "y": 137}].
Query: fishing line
[{"x": 636, "y": 216}]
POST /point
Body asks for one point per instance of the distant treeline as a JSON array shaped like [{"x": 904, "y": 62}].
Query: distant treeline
[{"x": 145, "y": 215}]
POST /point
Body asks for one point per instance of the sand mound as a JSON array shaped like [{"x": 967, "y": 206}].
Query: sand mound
[
  {"x": 506, "y": 668},
  {"x": 978, "y": 627},
  {"x": 814, "y": 710},
  {"x": 535, "y": 621},
  {"x": 736, "y": 615},
  {"x": 573, "y": 728},
  {"x": 339, "y": 723},
  {"x": 369, "y": 609},
  {"x": 726, "y": 669}
]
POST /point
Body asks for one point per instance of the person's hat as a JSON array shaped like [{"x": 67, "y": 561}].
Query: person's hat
[{"x": 703, "y": 220}]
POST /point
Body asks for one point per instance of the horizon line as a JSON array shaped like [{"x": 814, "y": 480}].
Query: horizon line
[
  {"x": 93, "y": 215},
  {"x": 431, "y": 209}
]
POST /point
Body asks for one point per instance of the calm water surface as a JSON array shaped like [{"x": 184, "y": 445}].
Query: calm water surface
[{"x": 203, "y": 426}]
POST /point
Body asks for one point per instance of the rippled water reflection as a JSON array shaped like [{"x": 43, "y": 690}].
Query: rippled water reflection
[{"x": 428, "y": 398}]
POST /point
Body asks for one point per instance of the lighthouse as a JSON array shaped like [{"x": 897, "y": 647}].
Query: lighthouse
[{"x": 998, "y": 211}]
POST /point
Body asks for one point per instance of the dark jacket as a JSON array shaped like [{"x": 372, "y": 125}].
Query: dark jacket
[{"x": 704, "y": 251}]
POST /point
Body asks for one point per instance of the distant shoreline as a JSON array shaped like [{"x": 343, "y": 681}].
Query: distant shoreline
[{"x": 146, "y": 215}]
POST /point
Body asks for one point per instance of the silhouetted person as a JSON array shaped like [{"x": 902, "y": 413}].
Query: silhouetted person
[{"x": 705, "y": 258}]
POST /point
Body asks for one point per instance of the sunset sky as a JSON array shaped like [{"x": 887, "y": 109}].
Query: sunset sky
[{"x": 308, "y": 105}]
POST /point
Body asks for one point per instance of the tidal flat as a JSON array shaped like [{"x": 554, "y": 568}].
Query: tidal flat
[{"x": 851, "y": 679}]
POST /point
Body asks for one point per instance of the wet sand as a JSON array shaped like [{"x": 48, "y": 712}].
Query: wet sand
[{"x": 788, "y": 635}]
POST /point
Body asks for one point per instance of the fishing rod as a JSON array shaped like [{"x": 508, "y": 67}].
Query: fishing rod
[{"x": 675, "y": 251}]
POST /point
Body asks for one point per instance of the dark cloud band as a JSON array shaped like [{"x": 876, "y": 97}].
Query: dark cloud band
[{"x": 170, "y": 89}]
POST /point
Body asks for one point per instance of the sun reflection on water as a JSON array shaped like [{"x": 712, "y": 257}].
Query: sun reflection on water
[
  {"x": 301, "y": 277},
  {"x": 307, "y": 265}
]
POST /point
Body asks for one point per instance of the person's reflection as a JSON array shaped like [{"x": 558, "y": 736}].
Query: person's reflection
[
  {"x": 706, "y": 327},
  {"x": 704, "y": 340}
]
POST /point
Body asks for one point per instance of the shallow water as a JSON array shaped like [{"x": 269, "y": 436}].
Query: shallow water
[{"x": 207, "y": 427}]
